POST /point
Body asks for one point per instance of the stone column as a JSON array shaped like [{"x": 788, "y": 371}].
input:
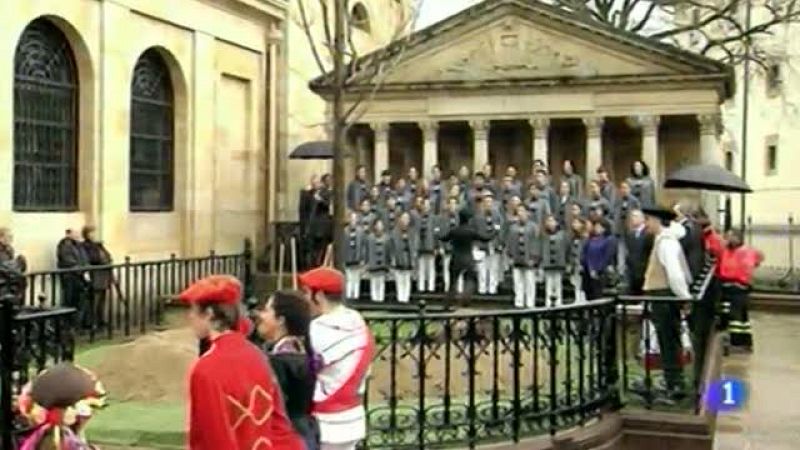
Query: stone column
[
  {"x": 594, "y": 145},
  {"x": 381, "y": 130},
  {"x": 430, "y": 146},
  {"x": 480, "y": 133},
  {"x": 540, "y": 132},
  {"x": 650, "y": 145},
  {"x": 709, "y": 143},
  {"x": 710, "y": 154}
]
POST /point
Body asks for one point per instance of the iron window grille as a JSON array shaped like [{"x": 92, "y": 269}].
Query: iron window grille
[
  {"x": 45, "y": 121},
  {"x": 152, "y": 174}
]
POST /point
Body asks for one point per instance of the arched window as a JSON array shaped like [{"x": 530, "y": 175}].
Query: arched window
[
  {"x": 359, "y": 17},
  {"x": 45, "y": 121},
  {"x": 152, "y": 127}
]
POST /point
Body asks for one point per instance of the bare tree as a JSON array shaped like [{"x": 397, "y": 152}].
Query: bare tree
[
  {"x": 340, "y": 25},
  {"x": 720, "y": 29}
]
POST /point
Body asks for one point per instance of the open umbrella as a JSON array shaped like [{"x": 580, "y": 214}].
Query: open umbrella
[
  {"x": 313, "y": 150},
  {"x": 708, "y": 177}
]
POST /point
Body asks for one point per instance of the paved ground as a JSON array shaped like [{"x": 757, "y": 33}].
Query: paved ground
[{"x": 770, "y": 419}]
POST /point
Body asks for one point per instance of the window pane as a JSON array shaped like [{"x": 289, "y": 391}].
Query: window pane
[
  {"x": 45, "y": 121},
  {"x": 151, "y": 169}
]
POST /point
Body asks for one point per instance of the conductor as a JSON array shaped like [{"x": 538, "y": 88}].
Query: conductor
[{"x": 463, "y": 238}]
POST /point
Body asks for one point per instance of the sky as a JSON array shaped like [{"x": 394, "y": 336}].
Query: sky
[{"x": 435, "y": 10}]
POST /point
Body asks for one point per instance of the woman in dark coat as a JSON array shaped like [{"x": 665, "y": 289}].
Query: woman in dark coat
[
  {"x": 283, "y": 322},
  {"x": 101, "y": 280},
  {"x": 599, "y": 255}
]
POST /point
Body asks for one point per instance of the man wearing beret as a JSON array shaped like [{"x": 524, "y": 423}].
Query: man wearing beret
[
  {"x": 667, "y": 274},
  {"x": 234, "y": 402},
  {"x": 343, "y": 349}
]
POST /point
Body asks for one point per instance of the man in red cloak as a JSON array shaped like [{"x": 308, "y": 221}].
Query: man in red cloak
[{"x": 234, "y": 402}]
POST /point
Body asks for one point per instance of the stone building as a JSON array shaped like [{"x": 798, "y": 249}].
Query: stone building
[
  {"x": 507, "y": 82},
  {"x": 164, "y": 123}
]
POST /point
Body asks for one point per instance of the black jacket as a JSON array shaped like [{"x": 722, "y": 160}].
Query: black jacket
[
  {"x": 71, "y": 254},
  {"x": 693, "y": 247},
  {"x": 297, "y": 382},
  {"x": 639, "y": 249},
  {"x": 99, "y": 256},
  {"x": 462, "y": 238}
]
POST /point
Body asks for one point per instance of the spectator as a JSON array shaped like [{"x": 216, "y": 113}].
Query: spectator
[
  {"x": 574, "y": 180},
  {"x": 321, "y": 223},
  {"x": 102, "y": 279},
  {"x": 343, "y": 348},
  {"x": 305, "y": 211},
  {"x": 283, "y": 322},
  {"x": 692, "y": 240},
  {"x": 71, "y": 258},
  {"x": 642, "y": 185},
  {"x": 8, "y": 258},
  {"x": 598, "y": 259},
  {"x": 639, "y": 244}
]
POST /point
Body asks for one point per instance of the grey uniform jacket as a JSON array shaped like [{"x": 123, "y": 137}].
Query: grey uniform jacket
[
  {"x": 446, "y": 222},
  {"x": 491, "y": 225},
  {"x": 521, "y": 245},
  {"x": 601, "y": 203},
  {"x": 389, "y": 217},
  {"x": 644, "y": 189},
  {"x": 403, "y": 249},
  {"x": 426, "y": 229},
  {"x": 622, "y": 209},
  {"x": 377, "y": 253},
  {"x": 574, "y": 253},
  {"x": 356, "y": 192},
  {"x": 365, "y": 222},
  {"x": 539, "y": 209},
  {"x": 554, "y": 250},
  {"x": 353, "y": 246},
  {"x": 575, "y": 184}
]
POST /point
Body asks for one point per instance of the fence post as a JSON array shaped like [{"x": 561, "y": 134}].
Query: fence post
[
  {"x": 6, "y": 369},
  {"x": 247, "y": 275}
]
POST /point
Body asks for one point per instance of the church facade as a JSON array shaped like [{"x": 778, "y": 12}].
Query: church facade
[{"x": 508, "y": 82}]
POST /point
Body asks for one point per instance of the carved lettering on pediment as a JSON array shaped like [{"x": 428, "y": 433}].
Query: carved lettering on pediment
[{"x": 513, "y": 50}]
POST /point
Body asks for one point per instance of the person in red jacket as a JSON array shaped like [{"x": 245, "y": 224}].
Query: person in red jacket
[
  {"x": 736, "y": 263},
  {"x": 234, "y": 402}
]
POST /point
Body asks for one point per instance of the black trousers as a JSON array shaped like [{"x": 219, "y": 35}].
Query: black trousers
[
  {"x": 74, "y": 295},
  {"x": 470, "y": 273},
  {"x": 701, "y": 322},
  {"x": 594, "y": 287},
  {"x": 739, "y": 326},
  {"x": 667, "y": 320}
]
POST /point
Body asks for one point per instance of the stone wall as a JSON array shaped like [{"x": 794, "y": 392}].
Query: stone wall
[{"x": 218, "y": 55}]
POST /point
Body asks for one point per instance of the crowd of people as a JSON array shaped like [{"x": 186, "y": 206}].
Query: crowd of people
[
  {"x": 307, "y": 394},
  {"x": 538, "y": 231}
]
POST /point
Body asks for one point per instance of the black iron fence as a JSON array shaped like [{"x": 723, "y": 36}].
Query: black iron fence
[
  {"x": 447, "y": 379},
  {"x": 128, "y": 297}
]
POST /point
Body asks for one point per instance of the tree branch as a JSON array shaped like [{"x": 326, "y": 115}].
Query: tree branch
[{"x": 310, "y": 37}]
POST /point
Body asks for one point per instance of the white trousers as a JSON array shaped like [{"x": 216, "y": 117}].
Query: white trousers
[
  {"x": 402, "y": 282},
  {"x": 426, "y": 273},
  {"x": 495, "y": 271},
  {"x": 352, "y": 276},
  {"x": 576, "y": 280},
  {"x": 446, "y": 259},
  {"x": 524, "y": 287},
  {"x": 553, "y": 288},
  {"x": 345, "y": 446},
  {"x": 377, "y": 286}
]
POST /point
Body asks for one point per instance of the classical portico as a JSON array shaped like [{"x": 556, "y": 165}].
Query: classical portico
[{"x": 509, "y": 82}]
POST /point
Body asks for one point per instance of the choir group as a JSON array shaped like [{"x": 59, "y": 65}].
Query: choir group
[{"x": 540, "y": 231}]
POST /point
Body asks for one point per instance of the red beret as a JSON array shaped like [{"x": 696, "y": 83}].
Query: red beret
[
  {"x": 323, "y": 279},
  {"x": 219, "y": 289}
]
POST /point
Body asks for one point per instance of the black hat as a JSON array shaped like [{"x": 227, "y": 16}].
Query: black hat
[{"x": 662, "y": 213}]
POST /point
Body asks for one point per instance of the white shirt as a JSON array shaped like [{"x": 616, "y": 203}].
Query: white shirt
[
  {"x": 336, "y": 338},
  {"x": 670, "y": 255}
]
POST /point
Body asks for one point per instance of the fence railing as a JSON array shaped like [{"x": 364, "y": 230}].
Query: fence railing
[
  {"x": 446, "y": 379},
  {"x": 127, "y": 297}
]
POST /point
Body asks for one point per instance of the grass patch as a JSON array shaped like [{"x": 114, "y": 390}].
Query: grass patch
[{"x": 134, "y": 424}]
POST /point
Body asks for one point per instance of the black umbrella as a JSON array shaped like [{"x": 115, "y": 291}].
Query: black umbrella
[
  {"x": 708, "y": 177},
  {"x": 313, "y": 150}
]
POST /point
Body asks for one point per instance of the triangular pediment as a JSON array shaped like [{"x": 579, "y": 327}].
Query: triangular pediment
[
  {"x": 513, "y": 47},
  {"x": 508, "y": 40}
]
